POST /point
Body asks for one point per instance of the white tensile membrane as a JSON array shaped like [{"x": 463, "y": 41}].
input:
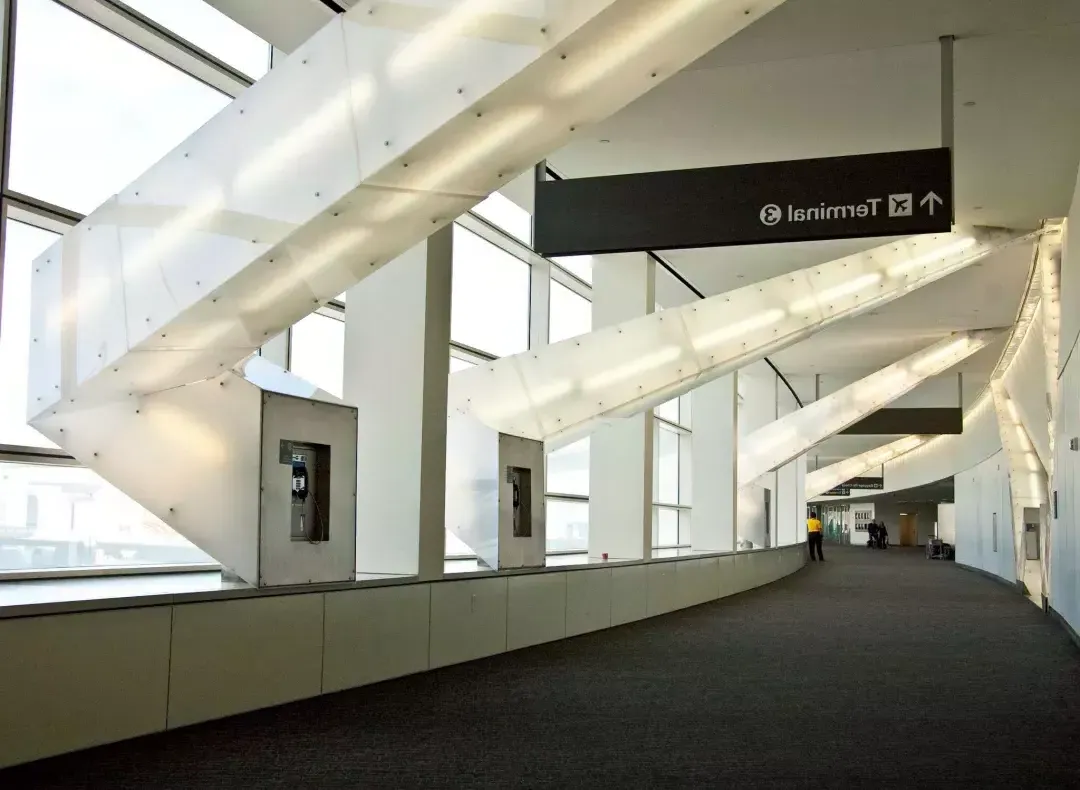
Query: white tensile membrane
[
  {"x": 563, "y": 391},
  {"x": 775, "y": 444},
  {"x": 387, "y": 124}
]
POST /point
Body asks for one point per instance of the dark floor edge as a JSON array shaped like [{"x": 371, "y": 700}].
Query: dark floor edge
[
  {"x": 1016, "y": 586},
  {"x": 1075, "y": 637}
]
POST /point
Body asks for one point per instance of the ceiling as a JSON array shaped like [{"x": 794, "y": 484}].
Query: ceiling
[{"x": 833, "y": 77}]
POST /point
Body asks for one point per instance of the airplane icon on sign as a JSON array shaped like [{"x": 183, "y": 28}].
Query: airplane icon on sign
[{"x": 900, "y": 205}]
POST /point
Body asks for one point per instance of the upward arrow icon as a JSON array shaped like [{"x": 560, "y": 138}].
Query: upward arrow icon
[{"x": 929, "y": 201}]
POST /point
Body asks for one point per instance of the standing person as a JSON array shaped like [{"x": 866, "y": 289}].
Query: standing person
[
  {"x": 883, "y": 536},
  {"x": 872, "y": 528},
  {"x": 814, "y": 536}
]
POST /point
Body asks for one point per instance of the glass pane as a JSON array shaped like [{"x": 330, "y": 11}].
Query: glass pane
[
  {"x": 455, "y": 547},
  {"x": 317, "y": 352},
  {"x": 667, "y": 526},
  {"x": 578, "y": 265},
  {"x": 506, "y": 214},
  {"x": 456, "y": 364},
  {"x": 668, "y": 410},
  {"x": 24, "y": 243},
  {"x": 569, "y": 315},
  {"x": 667, "y": 465},
  {"x": 86, "y": 124},
  {"x": 684, "y": 527},
  {"x": 68, "y": 517},
  {"x": 686, "y": 410},
  {"x": 211, "y": 31},
  {"x": 567, "y": 525},
  {"x": 490, "y": 307},
  {"x": 568, "y": 469}
]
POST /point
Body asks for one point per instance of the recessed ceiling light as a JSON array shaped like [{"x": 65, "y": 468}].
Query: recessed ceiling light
[
  {"x": 605, "y": 141},
  {"x": 969, "y": 104},
  {"x": 977, "y": 208}
]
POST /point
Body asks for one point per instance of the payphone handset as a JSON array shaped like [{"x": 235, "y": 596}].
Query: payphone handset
[{"x": 299, "y": 480}]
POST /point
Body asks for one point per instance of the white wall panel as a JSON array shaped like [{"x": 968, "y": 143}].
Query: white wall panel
[
  {"x": 374, "y": 634},
  {"x": 536, "y": 610},
  {"x": 726, "y": 580},
  {"x": 982, "y": 498},
  {"x": 588, "y": 601},
  {"x": 234, "y": 656},
  {"x": 629, "y": 586},
  {"x": 663, "y": 588},
  {"x": 1065, "y": 536},
  {"x": 1070, "y": 279},
  {"x": 468, "y": 620},
  {"x": 73, "y": 681},
  {"x": 946, "y": 522}
]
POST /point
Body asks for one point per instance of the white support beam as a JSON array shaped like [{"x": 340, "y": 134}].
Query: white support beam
[
  {"x": 387, "y": 123},
  {"x": 566, "y": 390},
  {"x": 828, "y": 477},
  {"x": 773, "y": 445}
]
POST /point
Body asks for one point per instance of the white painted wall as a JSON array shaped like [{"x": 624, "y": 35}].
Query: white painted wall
[
  {"x": 946, "y": 521},
  {"x": 1064, "y": 572},
  {"x": 982, "y": 494}
]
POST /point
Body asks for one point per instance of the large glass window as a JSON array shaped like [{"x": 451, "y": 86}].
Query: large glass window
[
  {"x": 54, "y": 517},
  {"x": 671, "y": 473},
  {"x": 568, "y": 469},
  {"x": 91, "y": 111},
  {"x": 567, "y": 525},
  {"x": 490, "y": 301},
  {"x": 317, "y": 352},
  {"x": 23, "y": 244},
  {"x": 211, "y": 31},
  {"x": 667, "y": 465},
  {"x": 569, "y": 314},
  {"x": 506, "y": 214},
  {"x": 578, "y": 265}
]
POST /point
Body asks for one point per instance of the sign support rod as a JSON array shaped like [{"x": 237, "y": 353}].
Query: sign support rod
[{"x": 948, "y": 94}]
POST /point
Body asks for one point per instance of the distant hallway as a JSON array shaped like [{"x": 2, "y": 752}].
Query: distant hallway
[{"x": 874, "y": 669}]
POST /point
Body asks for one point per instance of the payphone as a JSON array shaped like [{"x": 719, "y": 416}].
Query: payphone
[
  {"x": 309, "y": 499},
  {"x": 520, "y": 478}
]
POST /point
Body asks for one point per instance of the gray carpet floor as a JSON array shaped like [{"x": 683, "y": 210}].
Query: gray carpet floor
[{"x": 874, "y": 669}]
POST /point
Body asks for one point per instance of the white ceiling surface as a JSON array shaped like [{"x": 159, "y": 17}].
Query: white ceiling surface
[{"x": 833, "y": 77}]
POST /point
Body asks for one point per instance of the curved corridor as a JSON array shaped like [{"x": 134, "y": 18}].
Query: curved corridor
[{"x": 874, "y": 669}]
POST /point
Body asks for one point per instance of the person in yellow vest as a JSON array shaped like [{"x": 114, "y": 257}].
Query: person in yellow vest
[{"x": 814, "y": 536}]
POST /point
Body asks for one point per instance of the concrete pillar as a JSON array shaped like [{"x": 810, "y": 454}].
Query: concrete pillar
[
  {"x": 621, "y": 453},
  {"x": 715, "y": 464},
  {"x": 397, "y": 360}
]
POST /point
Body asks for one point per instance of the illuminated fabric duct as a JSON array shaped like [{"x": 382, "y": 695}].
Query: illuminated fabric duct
[
  {"x": 387, "y": 124},
  {"x": 775, "y": 444},
  {"x": 939, "y": 457},
  {"x": 563, "y": 391},
  {"x": 822, "y": 480}
]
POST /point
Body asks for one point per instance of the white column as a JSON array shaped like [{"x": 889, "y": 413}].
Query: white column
[
  {"x": 715, "y": 452},
  {"x": 621, "y": 453},
  {"x": 276, "y": 350},
  {"x": 397, "y": 360}
]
